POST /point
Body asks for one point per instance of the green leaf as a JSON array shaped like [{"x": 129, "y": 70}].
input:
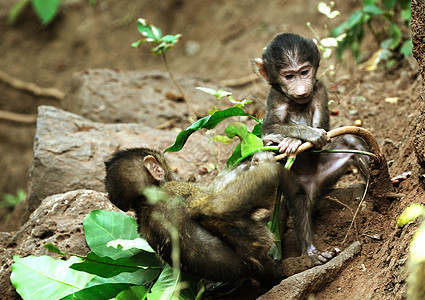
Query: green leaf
[
  {"x": 222, "y": 139},
  {"x": 102, "y": 227},
  {"x": 406, "y": 48},
  {"x": 235, "y": 157},
  {"x": 54, "y": 249},
  {"x": 412, "y": 212},
  {"x": 208, "y": 122},
  {"x": 218, "y": 94},
  {"x": 257, "y": 130},
  {"x": 389, "y": 4},
  {"x": 98, "y": 292},
  {"x": 46, "y": 9},
  {"x": 46, "y": 278},
  {"x": 417, "y": 246},
  {"x": 168, "y": 286},
  {"x": 104, "y": 266},
  {"x": 133, "y": 293},
  {"x": 16, "y": 10},
  {"x": 406, "y": 14},
  {"x": 395, "y": 36},
  {"x": 373, "y": 10},
  {"x": 140, "y": 277},
  {"x": 137, "y": 243},
  {"x": 249, "y": 141},
  {"x": 146, "y": 259},
  {"x": 145, "y": 29}
]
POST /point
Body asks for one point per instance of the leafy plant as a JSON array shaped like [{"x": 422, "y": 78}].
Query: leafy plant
[
  {"x": 153, "y": 35},
  {"x": 394, "y": 14},
  {"x": 417, "y": 245},
  {"x": 10, "y": 200},
  {"x": 46, "y": 10},
  {"x": 121, "y": 266}
]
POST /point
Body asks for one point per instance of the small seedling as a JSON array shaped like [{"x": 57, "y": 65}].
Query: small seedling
[{"x": 153, "y": 35}]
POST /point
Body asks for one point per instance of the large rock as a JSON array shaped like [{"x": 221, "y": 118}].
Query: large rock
[
  {"x": 69, "y": 152},
  {"x": 148, "y": 98},
  {"x": 59, "y": 221}
]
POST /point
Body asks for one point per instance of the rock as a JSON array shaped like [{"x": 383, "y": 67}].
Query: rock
[
  {"x": 69, "y": 152},
  {"x": 148, "y": 98},
  {"x": 301, "y": 285},
  {"x": 59, "y": 221}
]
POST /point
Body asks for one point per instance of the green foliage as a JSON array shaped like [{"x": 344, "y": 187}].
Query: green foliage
[
  {"x": 127, "y": 269},
  {"x": 385, "y": 20},
  {"x": 216, "y": 116},
  {"x": 46, "y": 278},
  {"x": 417, "y": 245},
  {"x": 46, "y": 10},
  {"x": 153, "y": 35},
  {"x": 10, "y": 200}
]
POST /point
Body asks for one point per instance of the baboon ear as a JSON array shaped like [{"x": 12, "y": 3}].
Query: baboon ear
[
  {"x": 261, "y": 68},
  {"x": 154, "y": 168}
]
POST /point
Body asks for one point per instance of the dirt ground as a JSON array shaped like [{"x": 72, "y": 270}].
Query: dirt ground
[{"x": 219, "y": 40}]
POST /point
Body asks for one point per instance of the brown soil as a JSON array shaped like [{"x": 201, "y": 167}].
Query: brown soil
[{"x": 229, "y": 34}]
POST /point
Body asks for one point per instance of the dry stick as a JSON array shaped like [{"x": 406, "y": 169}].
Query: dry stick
[
  {"x": 31, "y": 87},
  {"x": 365, "y": 134},
  {"x": 369, "y": 139},
  {"x": 20, "y": 118},
  {"x": 176, "y": 83},
  {"x": 353, "y": 220},
  {"x": 357, "y": 211}
]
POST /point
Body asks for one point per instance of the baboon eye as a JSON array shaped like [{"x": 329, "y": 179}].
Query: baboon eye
[
  {"x": 289, "y": 76},
  {"x": 305, "y": 72}
]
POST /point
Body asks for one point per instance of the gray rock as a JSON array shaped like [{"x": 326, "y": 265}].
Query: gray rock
[
  {"x": 59, "y": 221},
  {"x": 69, "y": 152},
  {"x": 148, "y": 98},
  {"x": 301, "y": 285}
]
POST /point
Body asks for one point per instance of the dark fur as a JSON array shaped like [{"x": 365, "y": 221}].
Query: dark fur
[
  {"x": 219, "y": 239},
  {"x": 292, "y": 119}
]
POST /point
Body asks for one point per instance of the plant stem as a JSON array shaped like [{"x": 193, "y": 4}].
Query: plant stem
[{"x": 176, "y": 83}]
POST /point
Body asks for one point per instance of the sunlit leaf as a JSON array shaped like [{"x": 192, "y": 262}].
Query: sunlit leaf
[
  {"x": 46, "y": 278},
  {"x": 46, "y": 10},
  {"x": 222, "y": 139},
  {"x": 249, "y": 141},
  {"x": 412, "y": 212},
  {"x": 137, "y": 243},
  {"x": 208, "y": 122},
  {"x": 417, "y": 246},
  {"x": 102, "y": 227}
]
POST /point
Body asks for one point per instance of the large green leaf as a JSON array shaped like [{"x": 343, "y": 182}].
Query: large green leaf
[
  {"x": 98, "y": 292},
  {"x": 133, "y": 293},
  {"x": 140, "y": 277},
  {"x": 46, "y": 9},
  {"x": 46, "y": 278},
  {"x": 168, "y": 286},
  {"x": 208, "y": 122},
  {"x": 102, "y": 227},
  {"x": 105, "y": 266},
  {"x": 249, "y": 141}
]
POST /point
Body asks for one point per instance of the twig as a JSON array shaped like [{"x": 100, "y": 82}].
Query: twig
[
  {"x": 357, "y": 210},
  {"x": 31, "y": 87},
  {"x": 365, "y": 134},
  {"x": 352, "y": 214},
  {"x": 240, "y": 81},
  {"x": 19, "y": 118},
  {"x": 177, "y": 84}
]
